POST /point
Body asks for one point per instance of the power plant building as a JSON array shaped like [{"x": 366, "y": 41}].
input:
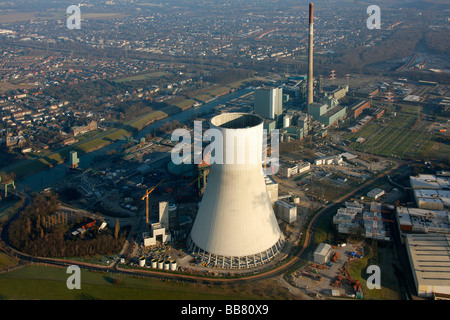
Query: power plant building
[
  {"x": 236, "y": 226},
  {"x": 325, "y": 113},
  {"x": 268, "y": 102}
]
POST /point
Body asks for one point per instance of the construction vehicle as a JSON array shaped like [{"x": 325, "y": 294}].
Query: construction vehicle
[
  {"x": 355, "y": 284},
  {"x": 337, "y": 281},
  {"x": 334, "y": 257}
]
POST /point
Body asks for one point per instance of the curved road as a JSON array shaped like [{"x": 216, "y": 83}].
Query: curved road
[{"x": 295, "y": 261}]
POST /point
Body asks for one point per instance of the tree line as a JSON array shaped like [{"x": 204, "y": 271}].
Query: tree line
[{"x": 29, "y": 234}]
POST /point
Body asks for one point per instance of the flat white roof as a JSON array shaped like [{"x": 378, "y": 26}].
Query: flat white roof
[{"x": 430, "y": 262}]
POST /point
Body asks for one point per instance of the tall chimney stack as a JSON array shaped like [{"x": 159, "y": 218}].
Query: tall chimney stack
[{"x": 310, "y": 54}]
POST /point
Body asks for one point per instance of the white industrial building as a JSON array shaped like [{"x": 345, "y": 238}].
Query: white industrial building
[
  {"x": 354, "y": 218},
  {"x": 423, "y": 220},
  {"x": 322, "y": 253},
  {"x": 236, "y": 226},
  {"x": 158, "y": 230},
  {"x": 429, "y": 181},
  {"x": 289, "y": 169},
  {"x": 286, "y": 211},
  {"x": 268, "y": 102},
  {"x": 433, "y": 199},
  {"x": 272, "y": 188},
  {"x": 430, "y": 264},
  {"x": 336, "y": 160},
  {"x": 375, "y": 193}
]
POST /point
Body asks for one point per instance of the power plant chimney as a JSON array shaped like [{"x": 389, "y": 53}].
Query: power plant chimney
[
  {"x": 235, "y": 226},
  {"x": 310, "y": 54}
]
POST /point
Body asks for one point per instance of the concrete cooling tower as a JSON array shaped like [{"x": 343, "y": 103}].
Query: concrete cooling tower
[{"x": 235, "y": 225}]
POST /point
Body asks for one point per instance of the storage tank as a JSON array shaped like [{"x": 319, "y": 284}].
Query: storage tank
[
  {"x": 235, "y": 226},
  {"x": 166, "y": 265},
  {"x": 172, "y": 207},
  {"x": 142, "y": 262},
  {"x": 160, "y": 264},
  {"x": 154, "y": 263},
  {"x": 173, "y": 265}
]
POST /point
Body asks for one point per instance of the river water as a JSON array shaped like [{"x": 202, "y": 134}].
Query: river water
[{"x": 46, "y": 178}]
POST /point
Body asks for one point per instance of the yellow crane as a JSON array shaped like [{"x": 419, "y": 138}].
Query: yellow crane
[{"x": 146, "y": 196}]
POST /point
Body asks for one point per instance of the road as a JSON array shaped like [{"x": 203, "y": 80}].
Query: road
[{"x": 295, "y": 262}]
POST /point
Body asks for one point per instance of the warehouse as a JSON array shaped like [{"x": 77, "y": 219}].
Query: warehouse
[
  {"x": 322, "y": 253},
  {"x": 375, "y": 193},
  {"x": 423, "y": 220},
  {"x": 430, "y": 264},
  {"x": 433, "y": 199}
]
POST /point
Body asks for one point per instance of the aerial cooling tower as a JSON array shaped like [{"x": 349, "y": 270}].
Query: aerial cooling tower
[{"x": 235, "y": 225}]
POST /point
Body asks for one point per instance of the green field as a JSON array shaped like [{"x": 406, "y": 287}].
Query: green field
[
  {"x": 396, "y": 139},
  {"x": 144, "y": 76},
  {"x": 49, "y": 283}
]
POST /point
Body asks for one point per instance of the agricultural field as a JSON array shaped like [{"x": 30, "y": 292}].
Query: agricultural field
[
  {"x": 49, "y": 283},
  {"x": 400, "y": 137}
]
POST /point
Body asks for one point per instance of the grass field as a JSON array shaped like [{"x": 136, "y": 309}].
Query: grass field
[
  {"x": 6, "y": 261},
  {"x": 144, "y": 76},
  {"x": 396, "y": 139},
  {"x": 389, "y": 284},
  {"x": 49, "y": 283}
]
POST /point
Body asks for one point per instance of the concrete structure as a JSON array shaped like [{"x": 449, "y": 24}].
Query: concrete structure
[
  {"x": 73, "y": 159},
  {"x": 164, "y": 213},
  {"x": 157, "y": 230},
  {"x": 235, "y": 225},
  {"x": 288, "y": 169},
  {"x": 268, "y": 102},
  {"x": 322, "y": 253},
  {"x": 430, "y": 263},
  {"x": 286, "y": 211},
  {"x": 310, "y": 54},
  {"x": 338, "y": 93},
  {"x": 272, "y": 188},
  {"x": 336, "y": 160},
  {"x": 325, "y": 113}
]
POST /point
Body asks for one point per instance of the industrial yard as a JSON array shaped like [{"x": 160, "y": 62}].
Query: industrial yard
[{"x": 330, "y": 277}]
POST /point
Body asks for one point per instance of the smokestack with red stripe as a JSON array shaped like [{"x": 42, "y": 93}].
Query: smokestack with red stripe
[{"x": 310, "y": 54}]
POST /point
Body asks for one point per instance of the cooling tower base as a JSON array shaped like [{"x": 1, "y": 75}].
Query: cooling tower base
[{"x": 226, "y": 262}]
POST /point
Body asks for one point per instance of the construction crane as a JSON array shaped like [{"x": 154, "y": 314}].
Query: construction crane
[{"x": 146, "y": 196}]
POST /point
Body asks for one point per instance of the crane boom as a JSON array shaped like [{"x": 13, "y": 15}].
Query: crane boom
[{"x": 146, "y": 196}]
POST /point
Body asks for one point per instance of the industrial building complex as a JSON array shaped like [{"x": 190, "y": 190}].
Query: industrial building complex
[{"x": 349, "y": 189}]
